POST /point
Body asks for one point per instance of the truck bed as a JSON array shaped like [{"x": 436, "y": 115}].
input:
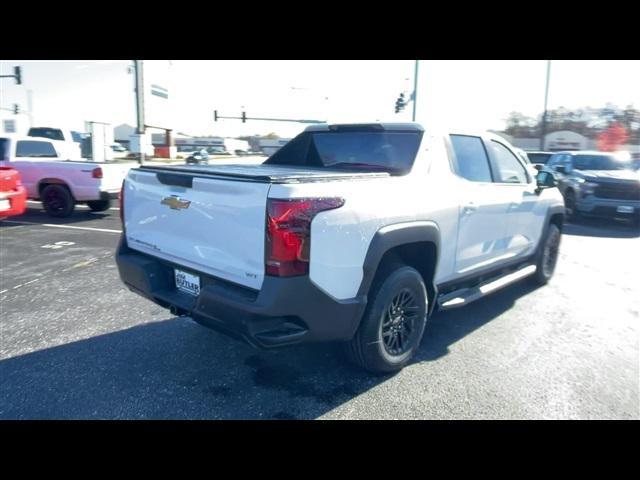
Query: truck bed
[{"x": 263, "y": 173}]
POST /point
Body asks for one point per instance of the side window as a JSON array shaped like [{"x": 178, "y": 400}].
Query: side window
[
  {"x": 510, "y": 170},
  {"x": 30, "y": 148},
  {"x": 471, "y": 158}
]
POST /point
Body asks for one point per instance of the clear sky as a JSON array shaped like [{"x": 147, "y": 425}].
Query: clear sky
[{"x": 472, "y": 94}]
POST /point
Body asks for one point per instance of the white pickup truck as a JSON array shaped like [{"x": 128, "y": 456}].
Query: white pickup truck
[
  {"x": 349, "y": 233},
  {"x": 58, "y": 181}
]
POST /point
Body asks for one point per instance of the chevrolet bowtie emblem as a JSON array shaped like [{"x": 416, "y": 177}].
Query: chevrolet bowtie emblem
[{"x": 175, "y": 203}]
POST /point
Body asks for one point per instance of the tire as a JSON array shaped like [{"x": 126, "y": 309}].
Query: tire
[
  {"x": 99, "y": 205},
  {"x": 57, "y": 201},
  {"x": 373, "y": 347},
  {"x": 548, "y": 257},
  {"x": 570, "y": 205}
]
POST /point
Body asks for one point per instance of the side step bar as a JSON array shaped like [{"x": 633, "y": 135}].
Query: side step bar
[{"x": 465, "y": 296}]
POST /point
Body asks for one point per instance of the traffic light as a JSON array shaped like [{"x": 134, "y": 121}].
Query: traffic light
[
  {"x": 400, "y": 103},
  {"x": 244, "y": 117},
  {"x": 16, "y": 109},
  {"x": 215, "y": 115},
  {"x": 17, "y": 73}
]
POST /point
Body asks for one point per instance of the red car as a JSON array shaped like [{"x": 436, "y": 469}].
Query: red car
[{"x": 13, "y": 195}]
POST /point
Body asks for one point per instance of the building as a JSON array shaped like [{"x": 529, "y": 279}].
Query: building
[
  {"x": 269, "y": 146},
  {"x": 122, "y": 134}
]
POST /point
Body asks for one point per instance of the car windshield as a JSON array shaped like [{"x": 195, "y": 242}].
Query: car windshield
[
  {"x": 390, "y": 151},
  {"x": 598, "y": 162}
]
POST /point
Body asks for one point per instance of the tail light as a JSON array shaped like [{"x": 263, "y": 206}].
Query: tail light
[
  {"x": 96, "y": 172},
  {"x": 289, "y": 233}
]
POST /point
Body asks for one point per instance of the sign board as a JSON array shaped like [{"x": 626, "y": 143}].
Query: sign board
[
  {"x": 158, "y": 96},
  {"x": 9, "y": 126}
]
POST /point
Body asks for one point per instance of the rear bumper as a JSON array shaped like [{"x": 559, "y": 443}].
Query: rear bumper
[
  {"x": 17, "y": 202},
  {"x": 109, "y": 195},
  {"x": 285, "y": 311}
]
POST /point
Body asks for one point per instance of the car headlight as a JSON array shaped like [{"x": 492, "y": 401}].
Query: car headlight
[{"x": 588, "y": 188}]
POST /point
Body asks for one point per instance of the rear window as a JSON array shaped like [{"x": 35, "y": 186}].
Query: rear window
[
  {"x": 52, "y": 133},
  {"x": 392, "y": 152},
  {"x": 28, "y": 148}
]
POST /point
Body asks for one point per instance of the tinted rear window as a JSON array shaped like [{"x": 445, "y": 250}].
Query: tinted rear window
[
  {"x": 28, "y": 148},
  {"x": 52, "y": 133},
  {"x": 471, "y": 161},
  {"x": 393, "y": 152}
]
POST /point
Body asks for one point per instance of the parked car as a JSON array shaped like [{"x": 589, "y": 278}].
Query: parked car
[
  {"x": 596, "y": 184},
  {"x": 539, "y": 158},
  {"x": 201, "y": 156},
  {"x": 119, "y": 150},
  {"x": 58, "y": 182},
  {"x": 350, "y": 233},
  {"x": 13, "y": 195}
]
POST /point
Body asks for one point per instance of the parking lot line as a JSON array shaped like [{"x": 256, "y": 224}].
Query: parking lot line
[
  {"x": 35, "y": 202},
  {"x": 106, "y": 230}
]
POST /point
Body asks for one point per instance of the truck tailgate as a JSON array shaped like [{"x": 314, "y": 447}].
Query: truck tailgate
[
  {"x": 211, "y": 225},
  {"x": 113, "y": 174}
]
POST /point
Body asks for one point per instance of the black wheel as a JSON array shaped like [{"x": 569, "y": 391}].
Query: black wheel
[
  {"x": 58, "y": 201},
  {"x": 550, "y": 249},
  {"x": 393, "y": 323},
  {"x": 570, "y": 205},
  {"x": 99, "y": 205}
]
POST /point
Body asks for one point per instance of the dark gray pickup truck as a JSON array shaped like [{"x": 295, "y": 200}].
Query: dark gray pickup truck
[{"x": 597, "y": 184}]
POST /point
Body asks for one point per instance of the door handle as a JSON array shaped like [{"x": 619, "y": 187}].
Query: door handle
[
  {"x": 469, "y": 208},
  {"x": 514, "y": 206}
]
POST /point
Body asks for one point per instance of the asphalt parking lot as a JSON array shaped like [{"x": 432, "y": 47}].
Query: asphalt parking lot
[{"x": 76, "y": 344}]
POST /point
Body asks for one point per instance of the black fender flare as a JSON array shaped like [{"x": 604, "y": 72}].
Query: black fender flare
[
  {"x": 551, "y": 211},
  {"x": 395, "y": 235}
]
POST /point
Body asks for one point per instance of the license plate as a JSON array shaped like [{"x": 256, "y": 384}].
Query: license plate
[
  {"x": 624, "y": 209},
  {"x": 188, "y": 283},
  {"x": 5, "y": 205}
]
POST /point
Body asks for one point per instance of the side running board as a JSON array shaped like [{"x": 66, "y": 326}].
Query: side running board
[{"x": 465, "y": 296}]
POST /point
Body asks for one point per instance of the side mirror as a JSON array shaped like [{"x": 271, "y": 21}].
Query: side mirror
[
  {"x": 545, "y": 180},
  {"x": 538, "y": 166},
  {"x": 561, "y": 169}
]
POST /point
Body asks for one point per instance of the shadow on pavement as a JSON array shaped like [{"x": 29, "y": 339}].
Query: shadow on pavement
[
  {"x": 597, "y": 227},
  {"x": 37, "y": 214},
  {"x": 178, "y": 369}
]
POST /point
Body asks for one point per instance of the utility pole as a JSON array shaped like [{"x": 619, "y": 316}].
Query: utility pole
[
  {"x": 415, "y": 90},
  {"x": 544, "y": 115},
  {"x": 30, "y": 106},
  {"x": 139, "y": 106}
]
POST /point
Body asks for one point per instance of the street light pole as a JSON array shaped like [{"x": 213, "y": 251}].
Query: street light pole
[
  {"x": 415, "y": 90},
  {"x": 544, "y": 115}
]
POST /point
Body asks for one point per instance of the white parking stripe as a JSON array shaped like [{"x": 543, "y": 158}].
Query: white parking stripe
[
  {"x": 81, "y": 206},
  {"x": 65, "y": 226}
]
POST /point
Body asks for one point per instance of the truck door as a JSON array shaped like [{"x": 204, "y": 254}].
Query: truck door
[
  {"x": 483, "y": 204},
  {"x": 524, "y": 216}
]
